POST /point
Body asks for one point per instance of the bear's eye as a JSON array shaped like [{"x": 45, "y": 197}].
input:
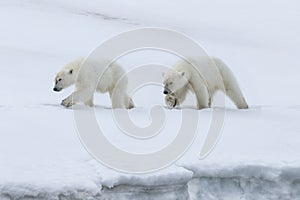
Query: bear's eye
[
  {"x": 171, "y": 83},
  {"x": 59, "y": 79}
]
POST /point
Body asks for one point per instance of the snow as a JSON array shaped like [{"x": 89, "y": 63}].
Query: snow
[
  {"x": 257, "y": 156},
  {"x": 261, "y": 160}
]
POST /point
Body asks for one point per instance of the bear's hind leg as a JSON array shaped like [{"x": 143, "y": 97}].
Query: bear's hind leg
[
  {"x": 237, "y": 97},
  {"x": 233, "y": 91},
  {"x": 117, "y": 97},
  {"x": 128, "y": 102},
  {"x": 210, "y": 101}
]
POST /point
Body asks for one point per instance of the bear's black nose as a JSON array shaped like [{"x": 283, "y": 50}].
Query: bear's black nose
[
  {"x": 55, "y": 89},
  {"x": 166, "y": 92}
]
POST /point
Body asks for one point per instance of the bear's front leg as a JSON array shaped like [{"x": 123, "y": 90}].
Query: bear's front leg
[
  {"x": 78, "y": 96},
  {"x": 171, "y": 100},
  {"x": 68, "y": 102},
  {"x": 202, "y": 96}
]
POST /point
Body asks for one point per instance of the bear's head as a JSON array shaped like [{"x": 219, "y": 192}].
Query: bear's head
[
  {"x": 174, "y": 81},
  {"x": 67, "y": 76},
  {"x": 64, "y": 79}
]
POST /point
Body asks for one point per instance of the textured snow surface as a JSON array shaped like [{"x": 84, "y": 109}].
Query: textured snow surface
[{"x": 257, "y": 156}]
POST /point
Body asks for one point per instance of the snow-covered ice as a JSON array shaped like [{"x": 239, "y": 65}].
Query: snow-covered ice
[{"x": 257, "y": 156}]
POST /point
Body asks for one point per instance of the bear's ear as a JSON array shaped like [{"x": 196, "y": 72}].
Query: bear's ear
[{"x": 71, "y": 71}]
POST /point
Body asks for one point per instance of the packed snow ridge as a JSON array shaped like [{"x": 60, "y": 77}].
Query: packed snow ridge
[{"x": 54, "y": 165}]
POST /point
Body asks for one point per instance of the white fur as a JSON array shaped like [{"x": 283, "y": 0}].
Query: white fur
[
  {"x": 90, "y": 77},
  {"x": 183, "y": 77}
]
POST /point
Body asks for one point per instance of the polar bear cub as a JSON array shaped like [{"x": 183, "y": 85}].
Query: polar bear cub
[
  {"x": 91, "y": 77},
  {"x": 214, "y": 76}
]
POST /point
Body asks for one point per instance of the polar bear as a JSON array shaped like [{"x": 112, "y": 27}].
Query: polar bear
[
  {"x": 91, "y": 77},
  {"x": 214, "y": 76}
]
